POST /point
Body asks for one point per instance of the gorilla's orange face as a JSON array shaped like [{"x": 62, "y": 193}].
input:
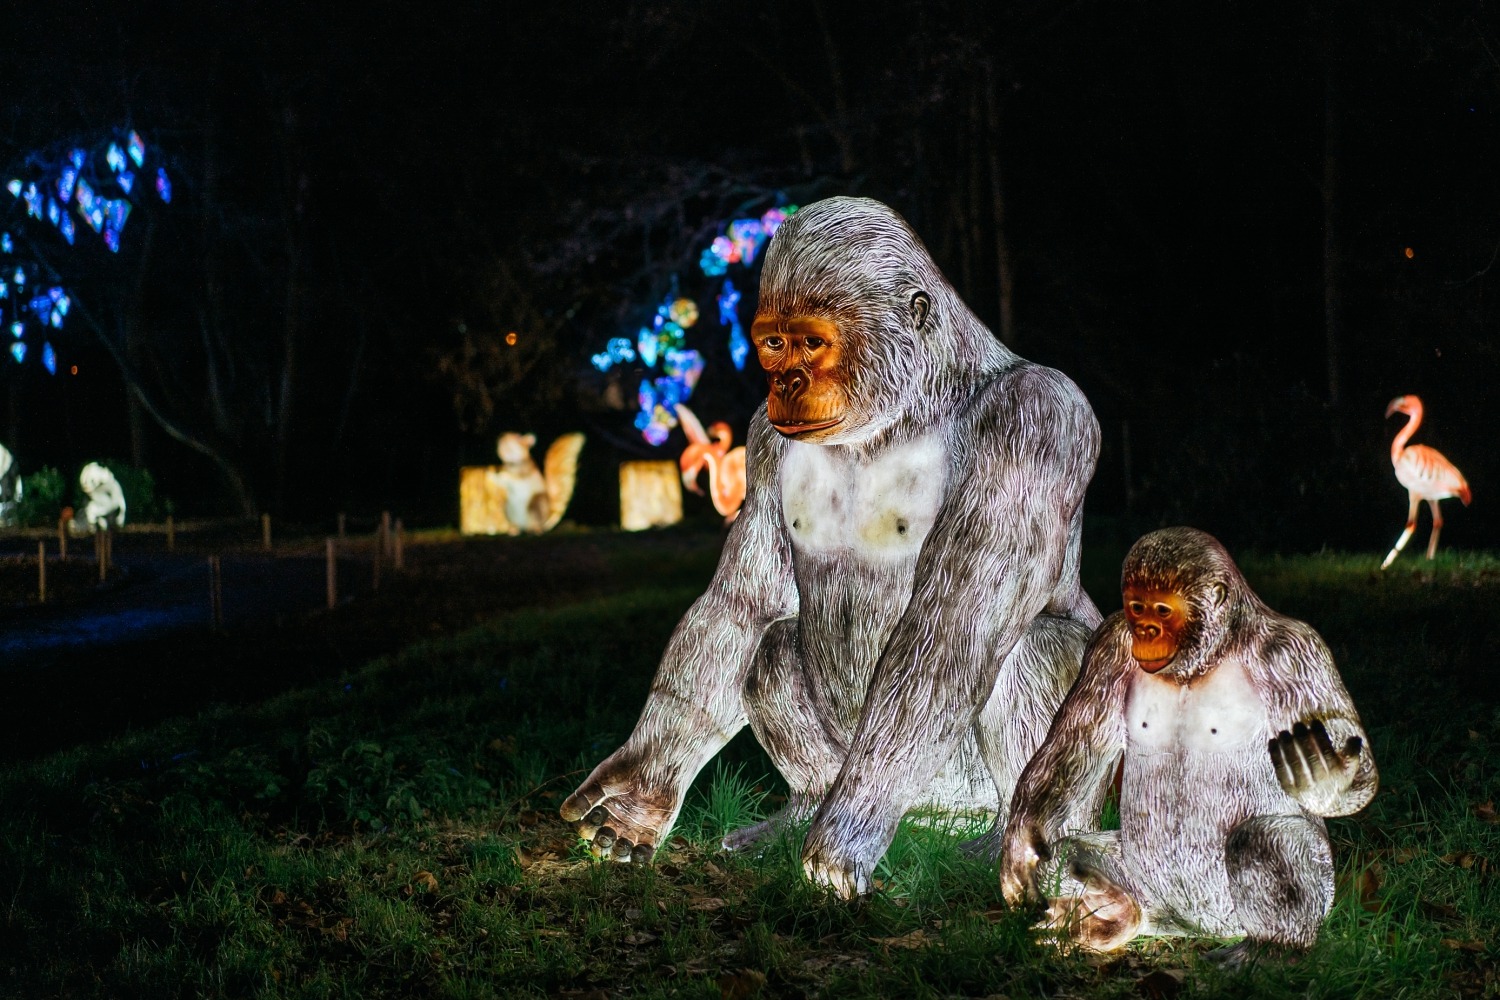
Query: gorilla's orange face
[
  {"x": 802, "y": 356},
  {"x": 1157, "y": 619}
]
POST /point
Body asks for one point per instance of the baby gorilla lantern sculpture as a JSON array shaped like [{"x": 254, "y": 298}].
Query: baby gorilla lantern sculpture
[
  {"x": 1237, "y": 738},
  {"x": 897, "y": 611}
]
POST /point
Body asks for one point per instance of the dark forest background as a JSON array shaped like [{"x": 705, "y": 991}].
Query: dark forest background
[{"x": 1241, "y": 228}]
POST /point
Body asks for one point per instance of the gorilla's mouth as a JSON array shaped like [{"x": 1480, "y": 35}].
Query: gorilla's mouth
[
  {"x": 1152, "y": 666},
  {"x": 794, "y": 427}
]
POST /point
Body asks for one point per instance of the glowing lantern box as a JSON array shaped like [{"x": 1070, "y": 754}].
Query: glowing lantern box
[
  {"x": 481, "y": 501},
  {"x": 650, "y": 495}
]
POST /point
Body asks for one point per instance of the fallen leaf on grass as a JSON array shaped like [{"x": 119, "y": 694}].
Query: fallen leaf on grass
[
  {"x": 1163, "y": 984},
  {"x": 707, "y": 903},
  {"x": 639, "y": 938},
  {"x": 1440, "y": 911},
  {"x": 426, "y": 881},
  {"x": 832, "y": 960},
  {"x": 1463, "y": 859},
  {"x": 912, "y": 939},
  {"x": 742, "y": 984},
  {"x": 1458, "y": 945},
  {"x": 1365, "y": 887},
  {"x": 1486, "y": 812}
]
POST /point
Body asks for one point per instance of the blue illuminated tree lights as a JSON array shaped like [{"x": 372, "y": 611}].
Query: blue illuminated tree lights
[
  {"x": 663, "y": 343},
  {"x": 103, "y": 198}
]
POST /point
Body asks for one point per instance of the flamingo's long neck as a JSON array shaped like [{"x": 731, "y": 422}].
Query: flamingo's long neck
[
  {"x": 1413, "y": 418},
  {"x": 713, "y": 475}
]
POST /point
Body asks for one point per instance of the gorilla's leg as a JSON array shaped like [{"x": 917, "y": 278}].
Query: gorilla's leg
[
  {"x": 1090, "y": 895},
  {"x": 1281, "y": 880},
  {"x": 1033, "y": 680},
  {"x": 792, "y": 725}
]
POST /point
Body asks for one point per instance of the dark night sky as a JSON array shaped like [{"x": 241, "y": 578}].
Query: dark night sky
[{"x": 365, "y": 179}]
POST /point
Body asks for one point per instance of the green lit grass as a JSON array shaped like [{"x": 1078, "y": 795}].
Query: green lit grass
[{"x": 394, "y": 834}]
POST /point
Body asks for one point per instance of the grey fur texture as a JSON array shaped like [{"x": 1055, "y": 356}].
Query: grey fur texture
[
  {"x": 1233, "y": 754},
  {"x": 897, "y": 611}
]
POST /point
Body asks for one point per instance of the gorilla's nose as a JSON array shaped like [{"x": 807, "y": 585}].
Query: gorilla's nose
[{"x": 790, "y": 383}]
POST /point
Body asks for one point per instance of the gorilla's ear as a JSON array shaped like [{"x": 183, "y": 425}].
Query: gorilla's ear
[
  {"x": 921, "y": 306},
  {"x": 1221, "y": 593}
]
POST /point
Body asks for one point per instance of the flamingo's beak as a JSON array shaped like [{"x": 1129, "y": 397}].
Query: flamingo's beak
[{"x": 1396, "y": 404}]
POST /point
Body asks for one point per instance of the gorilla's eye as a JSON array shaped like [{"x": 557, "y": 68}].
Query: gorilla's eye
[
  {"x": 813, "y": 343},
  {"x": 1136, "y": 608},
  {"x": 1164, "y": 610},
  {"x": 773, "y": 343}
]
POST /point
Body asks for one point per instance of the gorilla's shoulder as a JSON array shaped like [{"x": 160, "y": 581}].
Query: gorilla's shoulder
[
  {"x": 1037, "y": 402},
  {"x": 1113, "y": 631},
  {"x": 1031, "y": 383}
]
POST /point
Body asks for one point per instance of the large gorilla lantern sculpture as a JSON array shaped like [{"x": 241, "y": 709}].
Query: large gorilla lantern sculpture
[{"x": 897, "y": 611}]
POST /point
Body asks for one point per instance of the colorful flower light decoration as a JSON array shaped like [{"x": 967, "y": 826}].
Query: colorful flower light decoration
[
  {"x": 663, "y": 343},
  {"x": 80, "y": 185},
  {"x": 103, "y": 195},
  {"x": 740, "y": 244}
]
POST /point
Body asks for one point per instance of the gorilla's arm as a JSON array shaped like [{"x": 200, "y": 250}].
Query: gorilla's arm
[
  {"x": 694, "y": 706},
  {"x": 1320, "y": 750},
  {"x": 1024, "y": 451},
  {"x": 1063, "y": 787}
]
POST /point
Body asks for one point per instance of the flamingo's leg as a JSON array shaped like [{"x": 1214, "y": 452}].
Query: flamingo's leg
[
  {"x": 1411, "y": 525},
  {"x": 1437, "y": 526}
]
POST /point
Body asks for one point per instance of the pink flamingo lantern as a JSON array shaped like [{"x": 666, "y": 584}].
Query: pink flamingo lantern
[
  {"x": 1425, "y": 473},
  {"x": 726, "y": 467}
]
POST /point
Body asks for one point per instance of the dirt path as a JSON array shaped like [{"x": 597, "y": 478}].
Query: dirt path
[{"x": 145, "y": 649}]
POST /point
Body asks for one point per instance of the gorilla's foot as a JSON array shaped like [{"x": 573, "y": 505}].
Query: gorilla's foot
[
  {"x": 986, "y": 846},
  {"x": 798, "y": 809},
  {"x": 1248, "y": 951}
]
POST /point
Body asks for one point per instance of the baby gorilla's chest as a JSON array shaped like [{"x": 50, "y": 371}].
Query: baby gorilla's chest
[
  {"x": 875, "y": 511},
  {"x": 1217, "y": 713}
]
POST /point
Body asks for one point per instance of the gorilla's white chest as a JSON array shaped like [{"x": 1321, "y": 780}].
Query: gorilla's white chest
[
  {"x": 1217, "y": 713},
  {"x": 878, "y": 510}
]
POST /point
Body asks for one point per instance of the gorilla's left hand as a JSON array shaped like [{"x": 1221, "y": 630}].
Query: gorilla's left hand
[{"x": 1309, "y": 767}]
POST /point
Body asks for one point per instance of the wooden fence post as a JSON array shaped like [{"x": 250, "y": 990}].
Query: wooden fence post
[
  {"x": 216, "y": 591},
  {"x": 265, "y": 532},
  {"x": 398, "y": 556},
  {"x": 171, "y": 533},
  {"x": 41, "y": 572},
  {"x": 333, "y": 572}
]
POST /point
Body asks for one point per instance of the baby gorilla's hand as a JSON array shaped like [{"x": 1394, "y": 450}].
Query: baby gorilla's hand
[
  {"x": 1024, "y": 850},
  {"x": 1310, "y": 769}
]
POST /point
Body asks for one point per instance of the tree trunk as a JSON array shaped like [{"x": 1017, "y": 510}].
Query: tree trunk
[
  {"x": 1005, "y": 274},
  {"x": 974, "y": 185},
  {"x": 130, "y": 332},
  {"x": 1333, "y": 318}
]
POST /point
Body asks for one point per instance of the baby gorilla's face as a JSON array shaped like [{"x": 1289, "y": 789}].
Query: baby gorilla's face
[{"x": 1157, "y": 620}]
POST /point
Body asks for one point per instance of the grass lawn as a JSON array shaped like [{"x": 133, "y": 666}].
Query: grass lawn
[{"x": 391, "y": 831}]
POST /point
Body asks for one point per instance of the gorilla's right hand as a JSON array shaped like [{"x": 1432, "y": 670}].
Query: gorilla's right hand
[{"x": 620, "y": 811}]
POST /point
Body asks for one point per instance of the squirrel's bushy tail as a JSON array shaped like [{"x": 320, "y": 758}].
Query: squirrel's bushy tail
[{"x": 560, "y": 470}]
